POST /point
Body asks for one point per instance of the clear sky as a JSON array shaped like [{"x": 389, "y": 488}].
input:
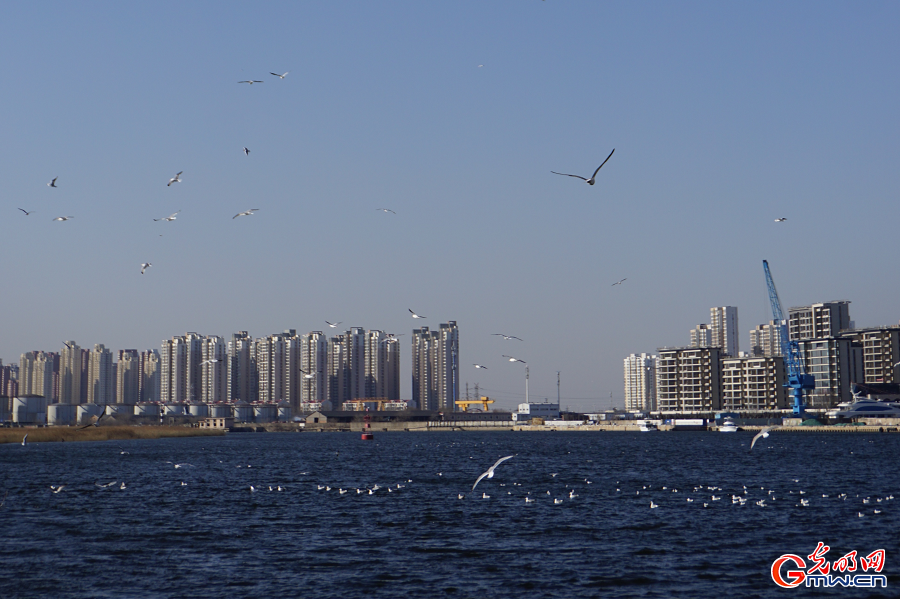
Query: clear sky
[{"x": 724, "y": 116}]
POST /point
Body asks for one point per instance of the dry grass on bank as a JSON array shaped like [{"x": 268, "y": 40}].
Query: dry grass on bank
[{"x": 101, "y": 433}]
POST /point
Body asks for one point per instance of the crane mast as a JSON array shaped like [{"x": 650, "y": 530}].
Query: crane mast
[{"x": 798, "y": 379}]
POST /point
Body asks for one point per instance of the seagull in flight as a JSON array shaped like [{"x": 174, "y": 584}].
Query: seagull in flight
[
  {"x": 591, "y": 180},
  {"x": 618, "y": 282},
  {"x": 25, "y": 211},
  {"x": 145, "y": 266},
  {"x": 94, "y": 423},
  {"x": 210, "y": 361},
  {"x": 169, "y": 218},
  {"x": 308, "y": 375},
  {"x": 279, "y": 76},
  {"x": 175, "y": 179},
  {"x": 780, "y": 220},
  {"x": 63, "y": 217},
  {"x": 52, "y": 183},
  {"x": 386, "y": 210},
  {"x": 480, "y": 366},
  {"x": 414, "y": 315},
  {"x": 507, "y": 337},
  {"x": 763, "y": 433},
  {"x": 250, "y": 81},
  {"x": 511, "y": 359},
  {"x": 246, "y": 151},
  {"x": 57, "y": 488},
  {"x": 490, "y": 471},
  {"x": 333, "y": 325},
  {"x": 247, "y": 213},
  {"x": 25, "y": 439}
]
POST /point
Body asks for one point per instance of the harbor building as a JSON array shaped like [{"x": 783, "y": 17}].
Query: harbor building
[
  {"x": 640, "y": 383},
  {"x": 754, "y": 384},
  {"x": 819, "y": 321},
  {"x": 688, "y": 379},
  {"x": 435, "y": 375}
]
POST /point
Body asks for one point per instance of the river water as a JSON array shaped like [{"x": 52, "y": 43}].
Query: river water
[{"x": 588, "y": 529}]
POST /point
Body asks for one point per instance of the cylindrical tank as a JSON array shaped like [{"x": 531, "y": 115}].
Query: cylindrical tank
[
  {"x": 266, "y": 412},
  {"x": 243, "y": 412},
  {"x": 284, "y": 411},
  {"x": 119, "y": 410},
  {"x": 199, "y": 410},
  {"x": 174, "y": 409},
  {"x": 146, "y": 410},
  {"x": 61, "y": 414},
  {"x": 87, "y": 411},
  {"x": 219, "y": 410}
]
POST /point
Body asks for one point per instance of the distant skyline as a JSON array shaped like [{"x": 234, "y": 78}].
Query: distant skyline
[{"x": 723, "y": 116}]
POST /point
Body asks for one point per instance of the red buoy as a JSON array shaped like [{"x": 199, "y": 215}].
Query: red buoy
[{"x": 367, "y": 434}]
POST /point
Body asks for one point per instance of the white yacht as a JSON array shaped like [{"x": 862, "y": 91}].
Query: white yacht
[
  {"x": 871, "y": 408},
  {"x": 728, "y": 426},
  {"x": 647, "y": 427}
]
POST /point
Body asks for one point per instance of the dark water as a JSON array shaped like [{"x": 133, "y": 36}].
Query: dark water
[{"x": 213, "y": 537}]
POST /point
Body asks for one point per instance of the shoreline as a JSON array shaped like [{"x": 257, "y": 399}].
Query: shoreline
[{"x": 61, "y": 434}]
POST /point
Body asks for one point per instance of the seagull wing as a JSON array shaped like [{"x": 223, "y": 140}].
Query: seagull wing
[
  {"x": 604, "y": 162},
  {"x": 568, "y": 175},
  {"x": 761, "y": 433},
  {"x": 479, "y": 479},
  {"x": 513, "y": 337}
]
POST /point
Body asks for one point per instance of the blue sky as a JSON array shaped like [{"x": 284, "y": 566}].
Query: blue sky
[{"x": 724, "y": 116}]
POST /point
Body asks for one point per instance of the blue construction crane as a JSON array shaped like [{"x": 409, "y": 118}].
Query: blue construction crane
[{"x": 798, "y": 379}]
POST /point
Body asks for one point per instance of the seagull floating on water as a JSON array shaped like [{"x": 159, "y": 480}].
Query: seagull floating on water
[
  {"x": 175, "y": 179},
  {"x": 490, "y": 471},
  {"x": 591, "y": 180},
  {"x": 247, "y": 213},
  {"x": 414, "y": 315}
]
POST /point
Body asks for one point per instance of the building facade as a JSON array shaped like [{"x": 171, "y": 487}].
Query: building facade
[
  {"x": 765, "y": 340},
  {"x": 640, "y": 383},
  {"x": 724, "y": 329},
  {"x": 819, "y": 321},
  {"x": 688, "y": 380},
  {"x": 435, "y": 372},
  {"x": 754, "y": 384}
]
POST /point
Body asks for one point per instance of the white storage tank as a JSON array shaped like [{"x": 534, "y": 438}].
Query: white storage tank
[
  {"x": 119, "y": 411},
  {"x": 87, "y": 411},
  {"x": 243, "y": 412},
  {"x": 29, "y": 409},
  {"x": 173, "y": 409},
  {"x": 61, "y": 414},
  {"x": 146, "y": 410},
  {"x": 284, "y": 411},
  {"x": 220, "y": 410},
  {"x": 266, "y": 412},
  {"x": 199, "y": 410}
]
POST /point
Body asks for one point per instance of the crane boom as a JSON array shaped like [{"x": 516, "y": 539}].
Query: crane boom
[{"x": 798, "y": 379}]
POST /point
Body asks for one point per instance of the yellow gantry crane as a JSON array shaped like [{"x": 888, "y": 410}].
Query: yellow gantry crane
[{"x": 465, "y": 403}]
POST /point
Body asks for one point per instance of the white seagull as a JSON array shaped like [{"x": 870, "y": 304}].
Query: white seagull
[
  {"x": 210, "y": 361},
  {"x": 618, "y": 282},
  {"x": 63, "y": 217},
  {"x": 307, "y": 375},
  {"x": 490, "y": 471},
  {"x": 279, "y": 76},
  {"x": 780, "y": 220},
  {"x": 250, "y": 81},
  {"x": 414, "y": 315},
  {"x": 175, "y": 179},
  {"x": 145, "y": 266},
  {"x": 58, "y": 488},
  {"x": 511, "y": 359},
  {"x": 386, "y": 210},
  {"x": 480, "y": 366},
  {"x": 591, "y": 180},
  {"x": 25, "y": 439},
  {"x": 52, "y": 183},
  {"x": 333, "y": 324},
  {"x": 763, "y": 433},
  {"x": 25, "y": 211},
  {"x": 247, "y": 213},
  {"x": 246, "y": 151},
  {"x": 507, "y": 337},
  {"x": 169, "y": 218}
]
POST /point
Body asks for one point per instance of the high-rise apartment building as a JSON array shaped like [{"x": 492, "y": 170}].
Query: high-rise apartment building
[
  {"x": 101, "y": 382},
  {"x": 754, "y": 384},
  {"x": 834, "y": 363},
  {"x": 128, "y": 377},
  {"x": 180, "y": 360},
  {"x": 150, "y": 376},
  {"x": 819, "y": 321},
  {"x": 242, "y": 379},
  {"x": 435, "y": 371},
  {"x": 70, "y": 369},
  {"x": 213, "y": 369},
  {"x": 640, "y": 383},
  {"x": 688, "y": 379},
  {"x": 881, "y": 353},
  {"x": 270, "y": 364},
  {"x": 723, "y": 323},
  {"x": 765, "y": 340},
  {"x": 701, "y": 336},
  {"x": 314, "y": 366}
]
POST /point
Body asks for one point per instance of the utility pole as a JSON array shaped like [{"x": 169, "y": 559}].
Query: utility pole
[
  {"x": 526, "y": 383},
  {"x": 557, "y": 388}
]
